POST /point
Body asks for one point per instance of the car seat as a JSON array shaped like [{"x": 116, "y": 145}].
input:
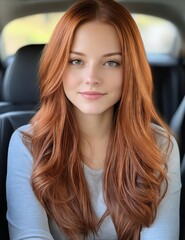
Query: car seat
[
  {"x": 182, "y": 201},
  {"x": 20, "y": 89},
  {"x": 9, "y": 122},
  {"x": 177, "y": 125}
]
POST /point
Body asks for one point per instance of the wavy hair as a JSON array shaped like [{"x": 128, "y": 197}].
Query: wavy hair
[{"x": 135, "y": 169}]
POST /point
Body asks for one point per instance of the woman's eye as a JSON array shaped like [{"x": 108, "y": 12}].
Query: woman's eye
[
  {"x": 76, "y": 62},
  {"x": 112, "y": 64}
]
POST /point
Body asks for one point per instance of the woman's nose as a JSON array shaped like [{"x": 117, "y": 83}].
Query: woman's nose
[{"x": 92, "y": 77}]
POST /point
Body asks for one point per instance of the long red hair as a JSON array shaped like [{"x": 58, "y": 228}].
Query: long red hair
[{"x": 134, "y": 169}]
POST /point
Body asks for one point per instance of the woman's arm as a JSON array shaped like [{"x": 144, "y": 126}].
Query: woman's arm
[
  {"x": 26, "y": 217},
  {"x": 166, "y": 224}
]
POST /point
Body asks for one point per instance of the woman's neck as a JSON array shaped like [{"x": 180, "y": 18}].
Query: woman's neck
[
  {"x": 95, "y": 131},
  {"x": 95, "y": 126}
]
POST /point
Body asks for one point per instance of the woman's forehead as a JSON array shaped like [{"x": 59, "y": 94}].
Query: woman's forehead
[{"x": 96, "y": 35}]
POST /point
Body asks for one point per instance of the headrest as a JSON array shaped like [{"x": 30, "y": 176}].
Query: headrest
[{"x": 20, "y": 85}]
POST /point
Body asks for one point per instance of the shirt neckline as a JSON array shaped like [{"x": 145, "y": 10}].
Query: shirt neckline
[{"x": 92, "y": 171}]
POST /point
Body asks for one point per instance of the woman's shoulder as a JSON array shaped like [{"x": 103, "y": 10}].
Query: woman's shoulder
[
  {"x": 16, "y": 141},
  {"x": 169, "y": 148},
  {"x": 20, "y": 160},
  {"x": 164, "y": 140},
  {"x": 18, "y": 133},
  {"x": 24, "y": 128}
]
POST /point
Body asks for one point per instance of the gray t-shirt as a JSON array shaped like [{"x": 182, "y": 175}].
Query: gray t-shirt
[{"x": 28, "y": 220}]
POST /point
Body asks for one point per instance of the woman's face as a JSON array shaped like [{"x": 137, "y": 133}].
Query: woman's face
[{"x": 93, "y": 78}]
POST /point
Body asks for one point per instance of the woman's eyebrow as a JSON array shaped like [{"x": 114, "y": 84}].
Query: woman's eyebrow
[
  {"x": 112, "y": 54},
  {"x": 105, "y": 55},
  {"x": 77, "y": 53}
]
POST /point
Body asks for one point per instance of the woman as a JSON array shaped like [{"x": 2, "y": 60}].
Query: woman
[{"x": 92, "y": 164}]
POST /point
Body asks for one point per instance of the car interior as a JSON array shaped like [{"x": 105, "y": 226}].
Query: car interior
[{"x": 19, "y": 87}]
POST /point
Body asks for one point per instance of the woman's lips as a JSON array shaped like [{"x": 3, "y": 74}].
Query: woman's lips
[{"x": 92, "y": 95}]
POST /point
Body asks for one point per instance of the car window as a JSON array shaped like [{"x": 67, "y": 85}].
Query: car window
[
  {"x": 159, "y": 35},
  {"x": 28, "y": 30}
]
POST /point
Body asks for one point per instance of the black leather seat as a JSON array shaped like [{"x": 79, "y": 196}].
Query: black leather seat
[
  {"x": 20, "y": 89},
  {"x": 169, "y": 88},
  {"x": 177, "y": 125},
  {"x": 182, "y": 202},
  {"x": 9, "y": 122},
  {"x": 1, "y": 79},
  {"x": 20, "y": 100}
]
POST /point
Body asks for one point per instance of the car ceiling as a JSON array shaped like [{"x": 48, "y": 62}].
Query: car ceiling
[{"x": 170, "y": 9}]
